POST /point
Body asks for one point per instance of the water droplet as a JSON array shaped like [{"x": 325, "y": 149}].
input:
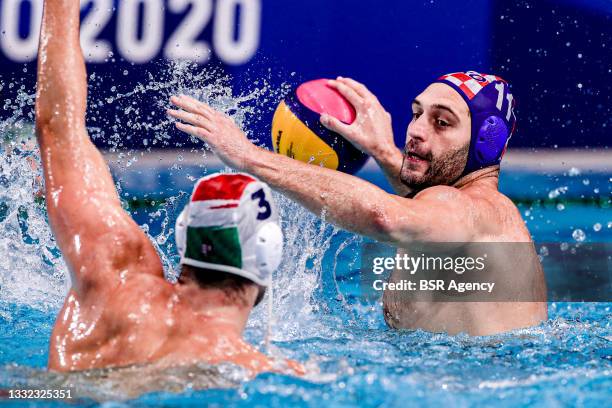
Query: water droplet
[
  {"x": 579, "y": 86},
  {"x": 579, "y": 235},
  {"x": 544, "y": 251},
  {"x": 557, "y": 192},
  {"x": 597, "y": 227},
  {"x": 586, "y": 182},
  {"x": 560, "y": 207},
  {"x": 564, "y": 246},
  {"x": 574, "y": 171}
]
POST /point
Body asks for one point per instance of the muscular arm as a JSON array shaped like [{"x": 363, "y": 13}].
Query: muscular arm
[
  {"x": 441, "y": 214},
  {"x": 362, "y": 207},
  {"x": 95, "y": 235}
]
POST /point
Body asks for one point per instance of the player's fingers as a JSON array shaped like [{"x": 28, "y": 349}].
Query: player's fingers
[
  {"x": 198, "y": 132},
  {"x": 191, "y": 118},
  {"x": 347, "y": 92},
  {"x": 335, "y": 125},
  {"x": 358, "y": 87},
  {"x": 185, "y": 116},
  {"x": 191, "y": 105},
  {"x": 183, "y": 103},
  {"x": 199, "y": 105}
]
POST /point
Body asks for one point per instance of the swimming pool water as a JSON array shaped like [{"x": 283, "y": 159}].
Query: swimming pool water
[
  {"x": 319, "y": 317},
  {"x": 565, "y": 362}
]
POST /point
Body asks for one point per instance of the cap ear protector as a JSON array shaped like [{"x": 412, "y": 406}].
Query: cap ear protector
[
  {"x": 491, "y": 108},
  {"x": 269, "y": 248},
  {"x": 268, "y": 253},
  {"x": 491, "y": 140}
]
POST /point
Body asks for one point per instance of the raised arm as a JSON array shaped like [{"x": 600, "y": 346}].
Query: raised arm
[
  {"x": 345, "y": 200},
  {"x": 96, "y": 236}
]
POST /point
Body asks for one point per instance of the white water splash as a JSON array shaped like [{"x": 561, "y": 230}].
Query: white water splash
[
  {"x": 307, "y": 239},
  {"x": 33, "y": 272}
]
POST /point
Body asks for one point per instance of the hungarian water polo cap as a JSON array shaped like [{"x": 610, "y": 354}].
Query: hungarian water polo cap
[
  {"x": 492, "y": 112},
  {"x": 231, "y": 225}
]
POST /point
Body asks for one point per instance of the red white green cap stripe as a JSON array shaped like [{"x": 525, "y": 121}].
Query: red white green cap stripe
[{"x": 220, "y": 228}]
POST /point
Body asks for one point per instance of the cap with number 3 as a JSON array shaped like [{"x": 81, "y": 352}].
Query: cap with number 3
[{"x": 231, "y": 224}]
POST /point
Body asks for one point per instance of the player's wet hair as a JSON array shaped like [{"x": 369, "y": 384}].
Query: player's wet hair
[{"x": 235, "y": 287}]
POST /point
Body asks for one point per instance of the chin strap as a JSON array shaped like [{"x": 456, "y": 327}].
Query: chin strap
[{"x": 269, "y": 322}]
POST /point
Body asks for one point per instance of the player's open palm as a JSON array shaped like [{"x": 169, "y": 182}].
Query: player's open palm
[
  {"x": 371, "y": 131},
  {"x": 213, "y": 127}
]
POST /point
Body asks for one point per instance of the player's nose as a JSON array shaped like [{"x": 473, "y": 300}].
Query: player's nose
[{"x": 417, "y": 129}]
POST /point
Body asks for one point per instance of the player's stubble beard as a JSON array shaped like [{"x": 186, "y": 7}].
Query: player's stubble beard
[{"x": 442, "y": 170}]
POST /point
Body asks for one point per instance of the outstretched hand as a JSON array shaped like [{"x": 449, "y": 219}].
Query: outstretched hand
[
  {"x": 215, "y": 128},
  {"x": 371, "y": 132}
]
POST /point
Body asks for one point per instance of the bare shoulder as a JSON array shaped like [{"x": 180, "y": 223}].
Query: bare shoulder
[
  {"x": 442, "y": 193},
  {"x": 492, "y": 200},
  {"x": 483, "y": 209},
  {"x": 108, "y": 258},
  {"x": 497, "y": 215},
  {"x": 451, "y": 200}
]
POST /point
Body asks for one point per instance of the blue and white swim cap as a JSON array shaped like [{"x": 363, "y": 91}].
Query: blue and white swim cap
[{"x": 492, "y": 111}]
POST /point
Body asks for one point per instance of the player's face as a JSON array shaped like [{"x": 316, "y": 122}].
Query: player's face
[{"x": 438, "y": 138}]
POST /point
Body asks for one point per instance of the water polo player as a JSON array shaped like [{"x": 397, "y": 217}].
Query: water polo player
[
  {"x": 446, "y": 180},
  {"x": 120, "y": 310}
]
